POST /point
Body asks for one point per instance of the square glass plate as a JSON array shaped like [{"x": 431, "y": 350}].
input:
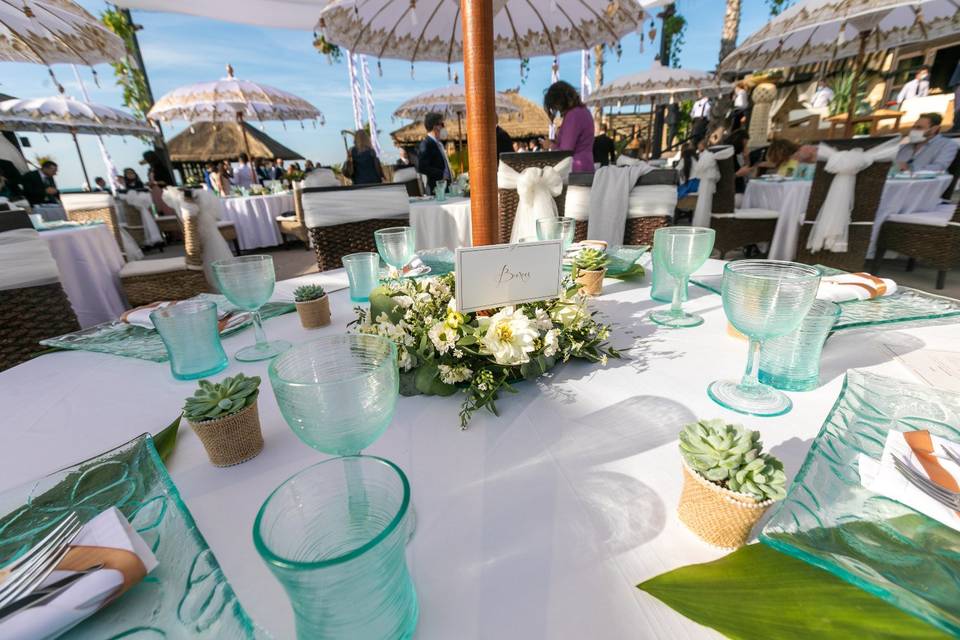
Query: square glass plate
[
  {"x": 186, "y": 596},
  {"x": 829, "y": 520},
  {"x": 906, "y": 305},
  {"x": 133, "y": 341}
]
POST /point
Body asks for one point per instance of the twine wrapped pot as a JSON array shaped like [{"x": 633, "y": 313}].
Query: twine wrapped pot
[
  {"x": 591, "y": 281},
  {"x": 231, "y": 439},
  {"x": 718, "y": 516},
  {"x": 314, "y": 313}
]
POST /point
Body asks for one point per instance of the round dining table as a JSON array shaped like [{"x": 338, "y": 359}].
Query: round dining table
[
  {"x": 255, "y": 218},
  {"x": 89, "y": 262},
  {"x": 441, "y": 224},
  {"x": 790, "y": 196},
  {"x": 534, "y": 524}
]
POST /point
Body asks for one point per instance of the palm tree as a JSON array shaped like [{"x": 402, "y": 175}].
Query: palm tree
[{"x": 731, "y": 26}]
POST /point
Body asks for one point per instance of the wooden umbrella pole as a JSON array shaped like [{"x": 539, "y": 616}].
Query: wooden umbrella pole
[
  {"x": 83, "y": 166},
  {"x": 857, "y": 70},
  {"x": 477, "y": 22},
  {"x": 460, "y": 139}
]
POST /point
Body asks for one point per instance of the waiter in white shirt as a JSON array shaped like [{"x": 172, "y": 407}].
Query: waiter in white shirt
[
  {"x": 700, "y": 115},
  {"x": 916, "y": 88},
  {"x": 823, "y": 95},
  {"x": 244, "y": 176}
]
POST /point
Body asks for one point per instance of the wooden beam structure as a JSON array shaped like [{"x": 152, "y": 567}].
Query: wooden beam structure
[{"x": 479, "y": 87}]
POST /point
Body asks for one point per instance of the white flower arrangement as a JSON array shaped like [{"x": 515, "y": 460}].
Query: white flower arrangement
[{"x": 440, "y": 350}]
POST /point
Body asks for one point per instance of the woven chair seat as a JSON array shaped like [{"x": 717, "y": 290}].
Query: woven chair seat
[
  {"x": 29, "y": 315},
  {"x": 930, "y": 239},
  {"x": 154, "y": 267}
]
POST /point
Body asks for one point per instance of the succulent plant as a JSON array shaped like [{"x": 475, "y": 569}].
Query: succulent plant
[
  {"x": 216, "y": 400},
  {"x": 730, "y": 455},
  {"x": 308, "y": 292},
  {"x": 591, "y": 260}
]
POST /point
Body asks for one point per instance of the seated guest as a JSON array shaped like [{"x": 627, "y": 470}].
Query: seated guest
[
  {"x": 784, "y": 157},
  {"x": 131, "y": 180},
  {"x": 244, "y": 177},
  {"x": 403, "y": 159},
  {"x": 101, "y": 184},
  {"x": 740, "y": 141},
  {"x": 308, "y": 166},
  {"x": 604, "y": 151},
  {"x": 433, "y": 161},
  {"x": 39, "y": 186},
  {"x": 926, "y": 148},
  {"x": 5, "y": 191}
]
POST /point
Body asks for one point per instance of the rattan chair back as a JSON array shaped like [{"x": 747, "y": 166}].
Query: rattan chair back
[
  {"x": 14, "y": 219},
  {"x": 93, "y": 207},
  {"x": 724, "y": 198}
]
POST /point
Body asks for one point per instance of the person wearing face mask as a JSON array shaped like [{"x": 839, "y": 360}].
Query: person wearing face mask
[
  {"x": 926, "y": 149},
  {"x": 916, "y": 88},
  {"x": 432, "y": 161}
]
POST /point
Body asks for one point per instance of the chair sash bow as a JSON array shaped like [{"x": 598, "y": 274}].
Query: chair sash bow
[
  {"x": 536, "y": 189},
  {"x": 707, "y": 169}
]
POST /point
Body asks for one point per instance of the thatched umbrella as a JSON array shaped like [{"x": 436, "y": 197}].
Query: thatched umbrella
[{"x": 213, "y": 141}]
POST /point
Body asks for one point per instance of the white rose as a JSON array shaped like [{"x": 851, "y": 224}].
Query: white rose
[
  {"x": 543, "y": 320},
  {"x": 509, "y": 336}
]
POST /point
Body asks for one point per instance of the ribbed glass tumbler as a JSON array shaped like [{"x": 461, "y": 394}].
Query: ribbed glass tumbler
[
  {"x": 333, "y": 536},
  {"x": 792, "y": 362}
]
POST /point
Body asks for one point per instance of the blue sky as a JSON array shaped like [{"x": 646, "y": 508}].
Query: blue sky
[{"x": 179, "y": 49}]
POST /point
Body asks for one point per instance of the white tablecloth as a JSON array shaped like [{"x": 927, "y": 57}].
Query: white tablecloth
[
  {"x": 50, "y": 212},
  {"x": 537, "y": 524},
  {"x": 442, "y": 224},
  {"x": 790, "y": 199},
  {"x": 89, "y": 262},
  {"x": 256, "y": 218}
]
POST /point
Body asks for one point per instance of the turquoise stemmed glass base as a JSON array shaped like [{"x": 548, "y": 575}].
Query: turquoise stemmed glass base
[
  {"x": 750, "y": 399},
  {"x": 676, "y": 320},
  {"x": 262, "y": 351}
]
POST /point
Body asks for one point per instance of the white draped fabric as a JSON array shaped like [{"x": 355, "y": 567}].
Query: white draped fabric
[
  {"x": 577, "y": 204},
  {"x": 102, "y": 200},
  {"x": 255, "y": 218},
  {"x": 536, "y": 189},
  {"x": 708, "y": 171},
  {"x": 25, "y": 260},
  {"x": 442, "y": 224},
  {"x": 830, "y": 228},
  {"x": 405, "y": 175},
  {"x": 207, "y": 206},
  {"x": 340, "y": 206},
  {"x": 652, "y": 200},
  {"x": 610, "y": 199},
  {"x": 143, "y": 201},
  {"x": 321, "y": 177}
]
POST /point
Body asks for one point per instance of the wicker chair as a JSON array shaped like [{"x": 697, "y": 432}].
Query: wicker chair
[
  {"x": 936, "y": 246},
  {"x": 868, "y": 192},
  {"x": 35, "y": 308},
  {"x": 229, "y": 232},
  {"x": 93, "y": 207},
  {"x": 734, "y": 227},
  {"x": 388, "y": 203},
  {"x": 508, "y": 197},
  {"x": 133, "y": 222},
  {"x": 408, "y": 177},
  {"x": 638, "y": 229},
  {"x": 294, "y": 225},
  {"x": 146, "y": 281}
]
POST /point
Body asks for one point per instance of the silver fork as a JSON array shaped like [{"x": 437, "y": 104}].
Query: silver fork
[
  {"x": 947, "y": 498},
  {"x": 953, "y": 456},
  {"x": 28, "y": 572}
]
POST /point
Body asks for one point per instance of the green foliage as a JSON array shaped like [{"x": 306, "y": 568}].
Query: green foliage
[
  {"x": 730, "y": 455},
  {"x": 591, "y": 260},
  {"x": 332, "y": 51},
  {"x": 129, "y": 78},
  {"x": 167, "y": 439},
  {"x": 675, "y": 31},
  {"x": 308, "y": 292},
  {"x": 842, "y": 87},
  {"x": 217, "y": 400}
]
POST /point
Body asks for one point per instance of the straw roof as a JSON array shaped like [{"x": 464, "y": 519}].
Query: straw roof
[
  {"x": 209, "y": 141},
  {"x": 529, "y": 122}
]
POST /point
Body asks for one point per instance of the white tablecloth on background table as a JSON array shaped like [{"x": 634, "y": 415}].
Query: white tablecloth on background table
[
  {"x": 536, "y": 524},
  {"x": 89, "y": 262},
  {"x": 50, "y": 212},
  {"x": 256, "y": 218},
  {"x": 442, "y": 224},
  {"x": 790, "y": 198}
]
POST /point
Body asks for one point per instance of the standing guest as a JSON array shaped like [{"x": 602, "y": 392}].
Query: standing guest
[
  {"x": 221, "y": 180},
  {"x": 504, "y": 141},
  {"x": 823, "y": 96},
  {"x": 673, "y": 122},
  {"x": 741, "y": 106},
  {"x": 700, "y": 113},
  {"x": 433, "y": 161},
  {"x": 208, "y": 171},
  {"x": 131, "y": 180},
  {"x": 101, "y": 184},
  {"x": 604, "y": 150},
  {"x": 262, "y": 170},
  {"x": 954, "y": 84},
  {"x": 403, "y": 158},
  {"x": 158, "y": 178},
  {"x": 576, "y": 130},
  {"x": 363, "y": 165},
  {"x": 927, "y": 149},
  {"x": 916, "y": 88},
  {"x": 244, "y": 176},
  {"x": 277, "y": 171},
  {"x": 39, "y": 187}
]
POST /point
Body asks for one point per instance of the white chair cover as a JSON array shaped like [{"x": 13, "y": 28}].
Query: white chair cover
[
  {"x": 25, "y": 260},
  {"x": 708, "y": 171},
  {"x": 536, "y": 188},
  {"x": 830, "y": 228},
  {"x": 405, "y": 175},
  {"x": 100, "y": 200},
  {"x": 206, "y": 205},
  {"x": 652, "y": 200},
  {"x": 321, "y": 177},
  {"x": 577, "y": 204},
  {"x": 340, "y": 206},
  {"x": 627, "y": 161},
  {"x": 610, "y": 199},
  {"x": 143, "y": 201}
]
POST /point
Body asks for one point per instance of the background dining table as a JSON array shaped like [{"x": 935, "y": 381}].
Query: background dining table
[
  {"x": 255, "y": 218},
  {"x": 441, "y": 224},
  {"x": 790, "y": 196},
  {"x": 535, "y": 524}
]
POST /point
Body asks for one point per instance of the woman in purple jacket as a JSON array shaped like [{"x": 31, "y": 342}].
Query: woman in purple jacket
[{"x": 576, "y": 130}]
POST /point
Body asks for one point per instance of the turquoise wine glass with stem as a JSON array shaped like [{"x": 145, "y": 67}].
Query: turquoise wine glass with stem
[
  {"x": 247, "y": 282},
  {"x": 397, "y": 246},
  {"x": 681, "y": 251},
  {"x": 762, "y": 299}
]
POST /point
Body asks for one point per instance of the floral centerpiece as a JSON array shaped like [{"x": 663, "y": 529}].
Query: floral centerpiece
[{"x": 441, "y": 351}]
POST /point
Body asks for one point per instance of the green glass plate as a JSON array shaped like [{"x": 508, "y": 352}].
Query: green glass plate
[
  {"x": 186, "y": 596},
  {"x": 829, "y": 520},
  {"x": 133, "y": 341},
  {"x": 906, "y": 305}
]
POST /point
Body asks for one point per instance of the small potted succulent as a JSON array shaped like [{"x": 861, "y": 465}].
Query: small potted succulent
[
  {"x": 728, "y": 482},
  {"x": 313, "y": 306},
  {"x": 224, "y": 415},
  {"x": 589, "y": 267}
]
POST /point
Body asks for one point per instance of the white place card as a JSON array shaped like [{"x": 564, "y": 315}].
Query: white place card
[{"x": 503, "y": 274}]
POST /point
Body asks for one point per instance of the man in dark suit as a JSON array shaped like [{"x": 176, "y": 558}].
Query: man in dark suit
[
  {"x": 604, "y": 150},
  {"x": 432, "y": 161},
  {"x": 12, "y": 176},
  {"x": 39, "y": 187}
]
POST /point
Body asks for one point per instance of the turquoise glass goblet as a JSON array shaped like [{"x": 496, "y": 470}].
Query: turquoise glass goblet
[
  {"x": 248, "y": 283},
  {"x": 335, "y": 538},
  {"x": 792, "y": 362},
  {"x": 680, "y": 251},
  {"x": 191, "y": 335},
  {"x": 397, "y": 245},
  {"x": 762, "y": 299},
  {"x": 557, "y": 228}
]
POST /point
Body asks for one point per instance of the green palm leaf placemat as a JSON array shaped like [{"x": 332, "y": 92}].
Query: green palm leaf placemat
[{"x": 757, "y": 593}]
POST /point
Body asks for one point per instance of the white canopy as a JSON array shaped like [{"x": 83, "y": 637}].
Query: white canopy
[
  {"x": 449, "y": 101},
  {"x": 655, "y": 81},
  {"x": 817, "y": 30},
  {"x": 54, "y": 31},
  {"x": 60, "y": 114}
]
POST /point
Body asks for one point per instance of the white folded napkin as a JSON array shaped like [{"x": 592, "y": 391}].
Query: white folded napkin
[
  {"x": 883, "y": 478},
  {"x": 854, "y": 286},
  {"x": 108, "y": 533}
]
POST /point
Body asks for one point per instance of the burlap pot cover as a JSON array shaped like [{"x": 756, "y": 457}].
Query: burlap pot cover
[
  {"x": 314, "y": 313},
  {"x": 232, "y": 439},
  {"x": 591, "y": 281}
]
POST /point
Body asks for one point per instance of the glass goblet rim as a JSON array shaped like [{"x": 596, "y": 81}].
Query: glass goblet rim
[
  {"x": 287, "y": 563},
  {"x": 183, "y": 308},
  {"x": 684, "y": 231},
  {"x": 388, "y": 231},
  {"x": 236, "y": 261},
  {"x": 356, "y": 256},
  {"x": 389, "y": 359},
  {"x": 802, "y": 271}
]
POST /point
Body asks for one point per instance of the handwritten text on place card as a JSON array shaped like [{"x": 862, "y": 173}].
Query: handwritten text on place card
[{"x": 503, "y": 274}]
